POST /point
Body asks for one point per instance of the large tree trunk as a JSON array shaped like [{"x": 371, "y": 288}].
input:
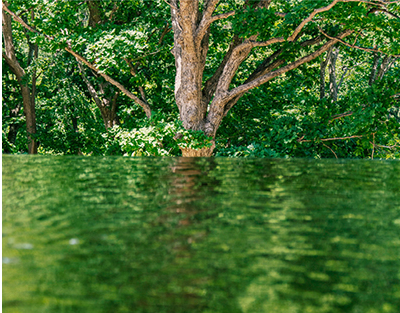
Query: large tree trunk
[
  {"x": 190, "y": 51},
  {"x": 28, "y": 96},
  {"x": 189, "y": 62}
]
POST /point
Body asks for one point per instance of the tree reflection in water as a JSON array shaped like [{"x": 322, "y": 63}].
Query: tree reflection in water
[{"x": 200, "y": 235}]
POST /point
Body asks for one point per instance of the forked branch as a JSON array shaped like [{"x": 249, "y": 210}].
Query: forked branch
[{"x": 263, "y": 79}]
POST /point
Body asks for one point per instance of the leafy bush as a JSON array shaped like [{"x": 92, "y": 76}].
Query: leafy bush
[{"x": 158, "y": 136}]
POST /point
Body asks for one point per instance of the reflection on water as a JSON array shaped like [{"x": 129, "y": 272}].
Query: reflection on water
[{"x": 200, "y": 235}]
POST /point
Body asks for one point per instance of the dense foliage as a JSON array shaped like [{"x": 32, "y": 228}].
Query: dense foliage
[{"x": 344, "y": 104}]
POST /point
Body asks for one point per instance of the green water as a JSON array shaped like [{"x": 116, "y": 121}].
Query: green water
[{"x": 200, "y": 235}]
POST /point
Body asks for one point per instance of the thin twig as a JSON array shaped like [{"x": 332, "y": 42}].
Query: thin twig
[
  {"x": 330, "y": 149},
  {"x": 330, "y": 139},
  {"x": 146, "y": 55},
  {"x": 166, "y": 30},
  {"x": 334, "y": 117},
  {"x": 373, "y": 146},
  {"x": 353, "y": 46},
  {"x": 172, "y": 6},
  {"x": 382, "y": 146}
]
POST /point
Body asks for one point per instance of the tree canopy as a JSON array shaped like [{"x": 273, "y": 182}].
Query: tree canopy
[{"x": 297, "y": 78}]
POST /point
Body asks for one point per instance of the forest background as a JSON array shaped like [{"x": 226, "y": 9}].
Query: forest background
[{"x": 261, "y": 78}]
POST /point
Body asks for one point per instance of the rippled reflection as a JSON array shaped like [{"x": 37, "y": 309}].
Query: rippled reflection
[{"x": 200, "y": 235}]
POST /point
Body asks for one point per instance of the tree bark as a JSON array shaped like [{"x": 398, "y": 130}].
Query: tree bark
[
  {"x": 95, "y": 13},
  {"x": 333, "y": 88},
  {"x": 28, "y": 96},
  {"x": 374, "y": 68},
  {"x": 322, "y": 71},
  {"x": 384, "y": 66},
  {"x": 13, "y": 131},
  {"x": 203, "y": 152},
  {"x": 189, "y": 62}
]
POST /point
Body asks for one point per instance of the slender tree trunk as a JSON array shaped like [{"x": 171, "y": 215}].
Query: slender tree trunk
[
  {"x": 333, "y": 88},
  {"x": 29, "y": 111},
  {"x": 322, "y": 71},
  {"x": 13, "y": 131},
  {"x": 384, "y": 66},
  {"x": 374, "y": 68},
  {"x": 28, "y": 97},
  {"x": 95, "y": 13}
]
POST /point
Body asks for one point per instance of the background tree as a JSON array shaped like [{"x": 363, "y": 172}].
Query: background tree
[{"x": 26, "y": 80}]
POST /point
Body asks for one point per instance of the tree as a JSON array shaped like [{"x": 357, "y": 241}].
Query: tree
[
  {"x": 296, "y": 32},
  {"x": 27, "y": 89}
]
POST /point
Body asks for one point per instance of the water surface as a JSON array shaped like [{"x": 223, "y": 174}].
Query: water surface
[{"x": 200, "y": 235}]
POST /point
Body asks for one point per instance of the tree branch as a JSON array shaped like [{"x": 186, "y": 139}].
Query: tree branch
[
  {"x": 310, "y": 17},
  {"x": 265, "y": 43},
  {"x": 269, "y": 64},
  {"x": 353, "y": 46},
  {"x": 90, "y": 87},
  {"x": 263, "y": 79},
  {"x": 330, "y": 6},
  {"x": 330, "y": 149},
  {"x": 337, "y": 116},
  {"x": 382, "y": 146},
  {"x": 21, "y": 21},
  {"x": 171, "y": 5},
  {"x": 143, "y": 104},
  {"x": 205, "y": 24},
  {"x": 330, "y": 139},
  {"x": 166, "y": 30},
  {"x": 211, "y": 84}
]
